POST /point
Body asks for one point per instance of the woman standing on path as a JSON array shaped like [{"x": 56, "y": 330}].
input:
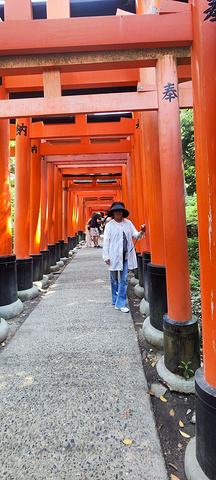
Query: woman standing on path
[{"x": 119, "y": 252}]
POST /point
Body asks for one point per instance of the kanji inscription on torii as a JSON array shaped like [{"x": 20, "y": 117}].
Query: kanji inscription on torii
[
  {"x": 34, "y": 149},
  {"x": 169, "y": 92},
  {"x": 20, "y": 129},
  {"x": 211, "y": 11}
]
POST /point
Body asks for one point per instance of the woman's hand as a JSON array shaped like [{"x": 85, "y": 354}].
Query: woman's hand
[
  {"x": 143, "y": 228},
  {"x": 107, "y": 261}
]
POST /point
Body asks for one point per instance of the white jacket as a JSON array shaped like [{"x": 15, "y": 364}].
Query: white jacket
[{"x": 113, "y": 244}]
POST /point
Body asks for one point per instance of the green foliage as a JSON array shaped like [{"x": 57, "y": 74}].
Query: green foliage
[
  {"x": 191, "y": 216},
  {"x": 188, "y": 150},
  {"x": 188, "y": 372},
  {"x": 193, "y": 243},
  {"x": 191, "y": 208},
  {"x": 194, "y": 266}
]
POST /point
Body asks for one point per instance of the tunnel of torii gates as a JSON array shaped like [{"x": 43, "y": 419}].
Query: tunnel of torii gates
[{"x": 66, "y": 170}]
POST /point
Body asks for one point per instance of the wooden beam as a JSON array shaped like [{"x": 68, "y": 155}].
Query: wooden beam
[
  {"x": 128, "y": 32},
  {"x": 102, "y": 157},
  {"x": 93, "y": 193},
  {"x": 97, "y": 189},
  {"x": 40, "y": 131},
  {"x": 76, "y": 80},
  {"x": 124, "y": 146},
  {"x": 91, "y": 170},
  {"x": 116, "y": 102},
  {"x": 89, "y": 61},
  {"x": 123, "y": 128}
]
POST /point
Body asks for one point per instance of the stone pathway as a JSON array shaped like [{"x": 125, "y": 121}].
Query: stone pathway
[{"x": 72, "y": 387}]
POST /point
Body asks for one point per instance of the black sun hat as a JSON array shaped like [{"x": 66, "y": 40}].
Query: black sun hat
[{"x": 118, "y": 206}]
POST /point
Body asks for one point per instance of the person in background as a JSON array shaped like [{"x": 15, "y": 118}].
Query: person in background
[
  {"x": 106, "y": 219},
  {"x": 88, "y": 234},
  {"x": 119, "y": 252},
  {"x": 94, "y": 228}
]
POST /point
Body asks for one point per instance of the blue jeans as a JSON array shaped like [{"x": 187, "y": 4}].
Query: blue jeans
[{"x": 119, "y": 289}]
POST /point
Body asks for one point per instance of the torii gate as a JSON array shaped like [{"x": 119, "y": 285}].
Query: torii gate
[{"x": 162, "y": 42}]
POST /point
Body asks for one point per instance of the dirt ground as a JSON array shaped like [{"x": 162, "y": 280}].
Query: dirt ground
[{"x": 177, "y": 408}]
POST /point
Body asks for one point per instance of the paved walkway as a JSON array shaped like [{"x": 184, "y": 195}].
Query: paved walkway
[{"x": 72, "y": 387}]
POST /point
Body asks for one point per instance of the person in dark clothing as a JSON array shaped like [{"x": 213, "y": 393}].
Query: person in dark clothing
[{"x": 94, "y": 228}]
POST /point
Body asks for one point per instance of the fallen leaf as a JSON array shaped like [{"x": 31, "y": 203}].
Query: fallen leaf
[
  {"x": 181, "y": 424},
  {"x": 172, "y": 413},
  {"x": 123, "y": 362},
  {"x": 184, "y": 434},
  {"x": 173, "y": 466},
  {"x": 150, "y": 392},
  {"x": 3, "y": 344},
  {"x": 162, "y": 398},
  {"x": 173, "y": 477},
  {"x": 160, "y": 426},
  {"x": 132, "y": 326},
  {"x": 180, "y": 445},
  {"x": 127, "y": 414},
  {"x": 153, "y": 364},
  {"x": 188, "y": 411},
  {"x": 127, "y": 441}
]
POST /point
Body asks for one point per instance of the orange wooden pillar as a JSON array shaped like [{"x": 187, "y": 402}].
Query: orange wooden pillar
[
  {"x": 142, "y": 198},
  {"x": 65, "y": 210},
  {"x": 149, "y": 127},
  {"x": 51, "y": 205},
  {"x": 204, "y": 92},
  {"x": 10, "y": 305},
  {"x": 35, "y": 198},
  {"x": 127, "y": 175},
  {"x": 179, "y": 326},
  {"x": 80, "y": 218},
  {"x": 125, "y": 190},
  {"x": 58, "y": 205},
  {"x": 147, "y": 6},
  {"x": 17, "y": 11},
  {"x": 58, "y": 10},
  {"x": 22, "y": 189},
  {"x": 134, "y": 183},
  {"x": 204, "y": 99},
  {"x": 148, "y": 123},
  {"x": 74, "y": 212},
  {"x": 70, "y": 211},
  {"x": 44, "y": 204},
  {"x": 5, "y": 195},
  {"x": 22, "y": 210},
  {"x": 44, "y": 218},
  {"x": 156, "y": 270}
]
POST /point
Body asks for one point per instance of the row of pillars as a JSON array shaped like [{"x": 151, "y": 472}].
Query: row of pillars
[
  {"x": 46, "y": 218},
  {"x": 157, "y": 160}
]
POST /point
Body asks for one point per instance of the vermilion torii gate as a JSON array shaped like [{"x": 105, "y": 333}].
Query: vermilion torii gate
[{"x": 166, "y": 41}]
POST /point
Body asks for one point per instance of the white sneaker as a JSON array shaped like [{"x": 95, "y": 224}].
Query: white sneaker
[{"x": 123, "y": 309}]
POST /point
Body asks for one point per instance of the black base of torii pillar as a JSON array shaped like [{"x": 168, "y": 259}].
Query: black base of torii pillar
[{"x": 10, "y": 304}]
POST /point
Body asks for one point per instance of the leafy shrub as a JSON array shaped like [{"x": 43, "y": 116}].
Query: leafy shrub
[
  {"x": 193, "y": 242},
  {"x": 191, "y": 216}
]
